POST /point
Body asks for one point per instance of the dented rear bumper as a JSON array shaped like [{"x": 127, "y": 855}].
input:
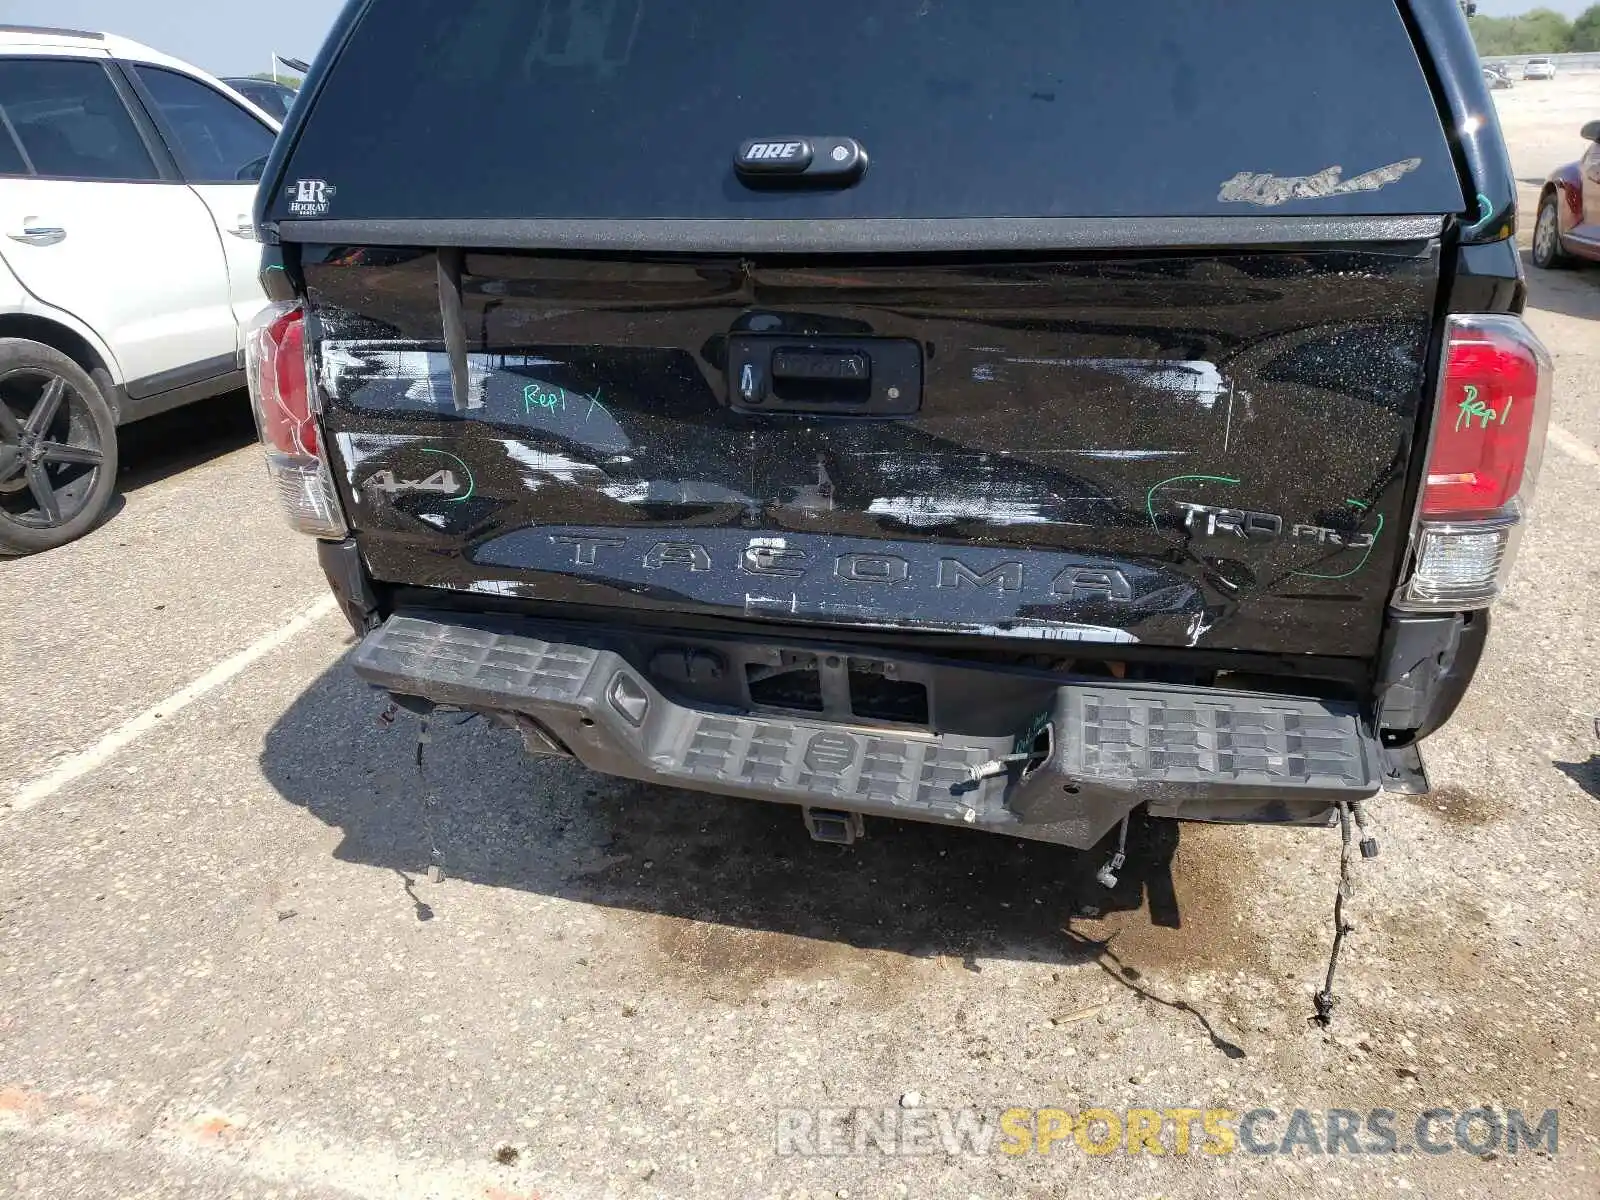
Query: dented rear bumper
[{"x": 1097, "y": 749}]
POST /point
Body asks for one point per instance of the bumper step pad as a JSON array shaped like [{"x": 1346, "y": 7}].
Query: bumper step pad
[{"x": 1110, "y": 747}]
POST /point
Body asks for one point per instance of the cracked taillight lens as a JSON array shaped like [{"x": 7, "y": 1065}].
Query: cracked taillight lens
[
  {"x": 1483, "y": 460},
  {"x": 282, "y": 388}
]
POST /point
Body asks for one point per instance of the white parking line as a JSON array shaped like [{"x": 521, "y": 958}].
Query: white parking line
[
  {"x": 80, "y": 764},
  {"x": 1573, "y": 447}
]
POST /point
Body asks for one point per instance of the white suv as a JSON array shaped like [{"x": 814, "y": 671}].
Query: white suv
[
  {"x": 128, "y": 261},
  {"x": 1539, "y": 68}
]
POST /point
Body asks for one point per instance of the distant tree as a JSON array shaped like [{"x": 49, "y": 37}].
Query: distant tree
[
  {"x": 291, "y": 81},
  {"x": 1542, "y": 31},
  {"x": 1492, "y": 35},
  {"x": 1586, "y": 29},
  {"x": 1547, "y": 31}
]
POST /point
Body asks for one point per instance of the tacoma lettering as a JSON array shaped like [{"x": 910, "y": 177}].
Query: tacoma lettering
[
  {"x": 1092, "y": 584},
  {"x": 1106, "y": 585},
  {"x": 872, "y": 568},
  {"x": 953, "y": 573},
  {"x": 678, "y": 554},
  {"x": 770, "y": 560}
]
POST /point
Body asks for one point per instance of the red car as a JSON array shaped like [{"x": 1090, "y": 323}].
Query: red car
[{"x": 1568, "y": 226}]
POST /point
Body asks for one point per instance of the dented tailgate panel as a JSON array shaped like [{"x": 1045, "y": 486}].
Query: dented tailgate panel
[{"x": 1176, "y": 449}]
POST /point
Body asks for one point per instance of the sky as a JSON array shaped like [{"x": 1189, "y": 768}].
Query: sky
[{"x": 238, "y": 37}]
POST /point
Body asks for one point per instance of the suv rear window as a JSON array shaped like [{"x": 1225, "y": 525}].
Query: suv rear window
[{"x": 966, "y": 108}]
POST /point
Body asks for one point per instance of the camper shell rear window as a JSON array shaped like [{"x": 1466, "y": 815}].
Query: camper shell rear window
[{"x": 635, "y": 109}]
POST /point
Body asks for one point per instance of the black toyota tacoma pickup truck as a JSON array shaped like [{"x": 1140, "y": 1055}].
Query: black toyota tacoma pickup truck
[{"x": 1003, "y": 413}]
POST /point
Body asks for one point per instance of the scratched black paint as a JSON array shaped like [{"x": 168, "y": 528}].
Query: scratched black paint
[{"x": 1071, "y": 410}]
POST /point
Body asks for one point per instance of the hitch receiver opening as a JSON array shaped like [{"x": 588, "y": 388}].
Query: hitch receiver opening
[{"x": 832, "y": 825}]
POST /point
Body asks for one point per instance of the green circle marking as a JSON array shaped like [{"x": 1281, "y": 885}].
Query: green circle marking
[
  {"x": 472, "y": 484},
  {"x": 1150, "y": 496}
]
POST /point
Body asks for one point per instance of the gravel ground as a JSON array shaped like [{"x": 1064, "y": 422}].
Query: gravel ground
[{"x": 223, "y": 971}]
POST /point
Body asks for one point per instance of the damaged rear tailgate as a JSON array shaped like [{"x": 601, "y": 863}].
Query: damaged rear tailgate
[{"x": 1130, "y": 354}]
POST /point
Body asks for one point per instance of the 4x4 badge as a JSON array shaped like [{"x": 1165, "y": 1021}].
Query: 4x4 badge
[{"x": 444, "y": 482}]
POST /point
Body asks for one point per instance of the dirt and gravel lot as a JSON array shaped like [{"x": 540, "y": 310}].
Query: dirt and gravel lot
[{"x": 224, "y": 972}]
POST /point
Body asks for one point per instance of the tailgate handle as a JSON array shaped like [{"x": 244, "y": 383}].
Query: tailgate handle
[
  {"x": 845, "y": 366},
  {"x": 824, "y": 374}
]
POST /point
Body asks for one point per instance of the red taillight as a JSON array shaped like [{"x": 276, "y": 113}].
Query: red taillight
[
  {"x": 279, "y": 382},
  {"x": 1490, "y": 414},
  {"x": 281, "y": 392},
  {"x": 1488, "y": 438}
]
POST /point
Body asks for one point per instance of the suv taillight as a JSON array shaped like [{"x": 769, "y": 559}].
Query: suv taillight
[
  {"x": 1488, "y": 439},
  {"x": 282, "y": 388}
]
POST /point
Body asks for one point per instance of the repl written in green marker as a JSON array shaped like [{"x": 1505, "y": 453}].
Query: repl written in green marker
[
  {"x": 1473, "y": 409},
  {"x": 538, "y": 395},
  {"x": 552, "y": 397}
]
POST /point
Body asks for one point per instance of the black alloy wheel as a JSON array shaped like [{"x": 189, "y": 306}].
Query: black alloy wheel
[{"x": 58, "y": 457}]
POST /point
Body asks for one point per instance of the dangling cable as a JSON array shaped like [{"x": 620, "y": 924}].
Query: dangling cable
[
  {"x": 425, "y": 806},
  {"x": 1325, "y": 1000},
  {"x": 998, "y": 766},
  {"x": 1107, "y": 875}
]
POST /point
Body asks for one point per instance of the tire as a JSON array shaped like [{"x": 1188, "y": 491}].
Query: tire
[
  {"x": 1547, "y": 251},
  {"x": 58, "y": 449}
]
